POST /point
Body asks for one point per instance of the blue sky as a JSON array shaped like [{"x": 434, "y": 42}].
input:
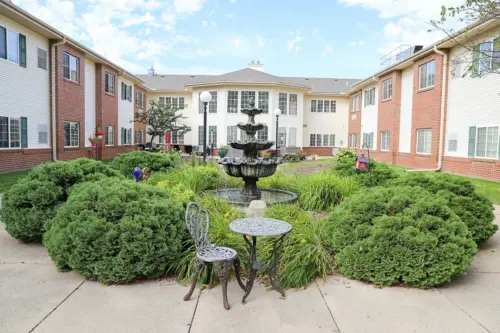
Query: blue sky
[{"x": 317, "y": 38}]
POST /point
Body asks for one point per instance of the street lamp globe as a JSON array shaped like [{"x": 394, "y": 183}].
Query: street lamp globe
[
  {"x": 205, "y": 97},
  {"x": 277, "y": 112}
]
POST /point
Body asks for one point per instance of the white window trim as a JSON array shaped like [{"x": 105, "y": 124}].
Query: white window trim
[
  {"x": 9, "y": 132},
  {"x": 416, "y": 147},
  {"x": 114, "y": 88},
  {"x": 383, "y": 90},
  {"x": 420, "y": 76},
  {"x": 476, "y": 142},
  {"x": 7, "y": 47},
  {"x": 382, "y": 140},
  {"x": 105, "y": 134},
  {"x": 78, "y": 143},
  {"x": 46, "y": 59},
  {"x": 78, "y": 69}
]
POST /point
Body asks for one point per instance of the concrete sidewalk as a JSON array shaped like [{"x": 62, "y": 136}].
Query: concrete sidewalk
[{"x": 34, "y": 297}]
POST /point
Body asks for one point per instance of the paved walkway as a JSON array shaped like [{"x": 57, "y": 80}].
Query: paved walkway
[{"x": 36, "y": 298}]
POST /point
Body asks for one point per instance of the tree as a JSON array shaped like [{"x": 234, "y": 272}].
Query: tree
[
  {"x": 482, "y": 53},
  {"x": 162, "y": 118}
]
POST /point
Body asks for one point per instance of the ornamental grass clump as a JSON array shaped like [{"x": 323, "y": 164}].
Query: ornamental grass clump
[
  {"x": 116, "y": 231},
  {"x": 475, "y": 210},
  {"x": 304, "y": 255},
  {"x": 32, "y": 202},
  {"x": 155, "y": 162},
  {"x": 197, "y": 178},
  {"x": 400, "y": 235}
]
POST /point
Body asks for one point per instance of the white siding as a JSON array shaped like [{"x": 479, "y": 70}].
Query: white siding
[
  {"x": 326, "y": 123},
  {"x": 406, "y": 111},
  {"x": 369, "y": 117},
  {"x": 471, "y": 102},
  {"x": 24, "y": 92},
  {"x": 125, "y": 109},
  {"x": 90, "y": 120}
]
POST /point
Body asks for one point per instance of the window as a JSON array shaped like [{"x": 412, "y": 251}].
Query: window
[
  {"x": 427, "y": 73},
  {"x": 320, "y": 106},
  {"x": 109, "y": 85},
  {"x": 176, "y": 102},
  {"x": 282, "y": 103},
  {"x": 486, "y": 57},
  {"x": 327, "y": 106},
  {"x": 332, "y": 140},
  {"x": 212, "y": 105},
  {"x": 177, "y": 138},
  {"x": 264, "y": 101},
  {"x": 232, "y": 102},
  {"x": 3, "y": 43},
  {"x": 452, "y": 145},
  {"x": 129, "y": 93},
  {"x": 43, "y": 134},
  {"x": 292, "y": 137},
  {"x": 42, "y": 58},
  {"x": 325, "y": 140},
  {"x": 354, "y": 141},
  {"x": 161, "y": 101},
  {"x": 246, "y": 97},
  {"x": 312, "y": 140},
  {"x": 109, "y": 136},
  {"x": 4, "y": 132},
  {"x": 355, "y": 103},
  {"x": 313, "y": 105},
  {"x": 71, "y": 67},
  {"x": 368, "y": 139},
  {"x": 13, "y": 46},
  {"x": 126, "y": 136},
  {"x": 369, "y": 97},
  {"x": 15, "y": 133},
  {"x": 387, "y": 89},
  {"x": 263, "y": 134},
  {"x": 71, "y": 134},
  {"x": 139, "y": 98},
  {"x": 139, "y": 136},
  {"x": 182, "y": 103},
  {"x": 232, "y": 134},
  {"x": 293, "y": 106},
  {"x": 201, "y": 131},
  {"x": 243, "y": 136},
  {"x": 424, "y": 141},
  {"x": 487, "y": 142},
  {"x": 282, "y": 136},
  {"x": 212, "y": 135},
  {"x": 126, "y": 89},
  {"x": 385, "y": 137},
  {"x": 333, "y": 106}
]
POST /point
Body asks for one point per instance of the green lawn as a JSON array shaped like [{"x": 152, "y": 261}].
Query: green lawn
[
  {"x": 9, "y": 179},
  {"x": 308, "y": 163}
]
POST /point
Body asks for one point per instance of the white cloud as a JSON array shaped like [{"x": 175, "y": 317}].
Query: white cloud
[
  {"x": 261, "y": 41},
  {"x": 237, "y": 43},
  {"x": 135, "y": 20},
  {"x": 328, "y": 49},
  {"x": 354, "y": 43},
  {"x": 188, "y": 6},
  {"x": 229, "y": 16},
  {"x": 169, "y": 20},
  {"x": 232, "y": 1},
  {"x": 295, "y": 40},
  {"x": 151, "y": 49},
  {"x": 188, "y": 54},
  {"x": 204, "y": 23},
  {"x": 147, "y": 31}
]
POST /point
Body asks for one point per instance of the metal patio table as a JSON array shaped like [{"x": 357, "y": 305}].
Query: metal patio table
[{"x": 262, "y": 227}]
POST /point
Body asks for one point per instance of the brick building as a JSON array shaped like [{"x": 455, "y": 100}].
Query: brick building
[{"x": 422, "y": 112}]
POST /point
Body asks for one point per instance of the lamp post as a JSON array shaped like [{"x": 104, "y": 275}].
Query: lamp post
[
  {"x": 205, "y": 98},
  {"x": 277, "y": 113}
]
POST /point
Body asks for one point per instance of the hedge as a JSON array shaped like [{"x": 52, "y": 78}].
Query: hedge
[
  {"x": 126, "y": 163},
  {"x": 381, "y": 174}
]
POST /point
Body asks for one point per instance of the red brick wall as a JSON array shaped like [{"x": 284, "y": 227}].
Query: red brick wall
[
  {"x": 70, "y": 104},
  {"x": 354, "y": 125},
  {"x": 320, "y": 151},
  {"x": 22, "y": 159},
  {"x": 473, "y": 167}
]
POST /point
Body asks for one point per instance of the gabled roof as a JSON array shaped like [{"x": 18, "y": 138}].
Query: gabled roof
[{"x": 247, "y": 76}]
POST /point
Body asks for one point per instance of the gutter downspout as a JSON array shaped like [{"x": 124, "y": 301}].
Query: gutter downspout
[
  {"x": 53, "y": 96},
  {"x": 441, "y": 125}
]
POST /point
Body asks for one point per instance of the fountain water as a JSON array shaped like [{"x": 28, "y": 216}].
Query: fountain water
[{"x": 251, "y": 167}]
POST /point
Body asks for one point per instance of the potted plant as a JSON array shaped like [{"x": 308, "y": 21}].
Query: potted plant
[
  {"x": 93, "y": 140},
  {"x": 223, "y": 151},
  {"x": 266, "y": 155},
  {"x": 99, "y": 133}
]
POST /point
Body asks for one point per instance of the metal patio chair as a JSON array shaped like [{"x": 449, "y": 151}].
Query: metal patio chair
[{"x": 223, "y": 258}]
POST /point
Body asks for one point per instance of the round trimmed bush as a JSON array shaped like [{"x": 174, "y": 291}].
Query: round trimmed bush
[
  {"x": 400, "y": 235},
  {"x": 116, "y": 231},
  {"x": 475, "y": 210},
  {"x": 31, "y": 203},
  {"x": 126, "y": 163},
  {"x": 381, "y": 173},
  {"x": 344, "y": 153}
]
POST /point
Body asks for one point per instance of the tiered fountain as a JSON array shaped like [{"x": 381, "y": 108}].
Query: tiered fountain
[{"x": 251, "y": 167}]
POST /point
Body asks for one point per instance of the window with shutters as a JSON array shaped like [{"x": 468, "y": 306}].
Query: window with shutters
[
  {"x": 293, "y": 106},
  {"x": 487, "y": 142},
  {"x": 15, "y": 133},
  {"x": 385, "y": 140},
  {"x": 109, "y": 136},
  {"x": 71, "y": 67},
  {"x": 4, "y": 132},
  {"x": 387, "y": 89},
  {"x": 263, "y": 101},
  {"x": 292, "y": 137},
  {"x": 232, "y": 134},
  {"x": 109, "y": 85},
  {"x": 427, "y": 74},
  {"x": 424, "y": 141},
  {"x": 129, "y": 93},
  {"x": 71, "y": 134},
  {"x": 282, "y": 103},
  {"x": 43, "y": 134},
  {"x": 42, "y": 58},
  {"x": 232, "y": 102},
  {"x": 9, "y": 45},
  {"x": 263, "y": 134}
]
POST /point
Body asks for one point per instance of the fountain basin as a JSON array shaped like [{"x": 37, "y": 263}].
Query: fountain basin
[
  {"x": 269, "y": 195},
  {"x": 249, "y": 169},
  {"x": 254, "y": 146}
]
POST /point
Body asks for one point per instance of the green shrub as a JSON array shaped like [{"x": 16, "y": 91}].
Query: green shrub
[
  {"x": 196, "y": 179},
  {"x": 475, "y": 210},
  {"x": 291, "y": 158},
  {"x": 116, "y": 231},
  {"x": 381, "y": 173},
  {"x": 221, "y": 213},
  {"x": 322, "y": 191},
  {"x": 30, "y": 204},
  {"x": 179, "y": 192},
  {"x": 304, "y": 255},
  {"x": 345, "y": 153},
  {"x": 126, "y": 163},
  {"x": 400, "y": 235}
]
